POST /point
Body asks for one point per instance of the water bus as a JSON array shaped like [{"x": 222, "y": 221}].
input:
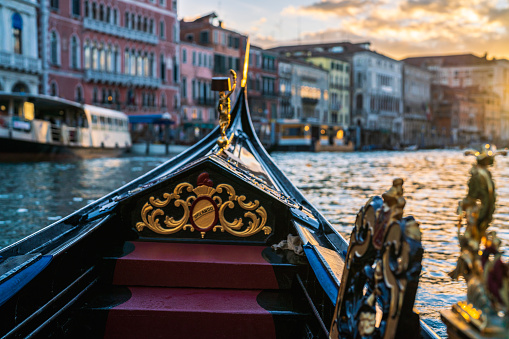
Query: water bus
[{"x": 40, "y": 127}]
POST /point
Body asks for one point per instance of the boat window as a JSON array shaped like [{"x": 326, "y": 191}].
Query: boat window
[
  {"x": 94, "y": 121},
  {"x": 103, "y": 122},
  {"x": 110, "y": 123},
  {"x": 18, "y": 108}
]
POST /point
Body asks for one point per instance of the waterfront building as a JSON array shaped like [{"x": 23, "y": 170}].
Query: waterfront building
[
  {"x": 20, "y": 65},
  {"x": 118, "y": 54},
  {"x": 375, "y": 92},
  {"x": 229, "y": 46},
  {"x": 445, "y": 115},
  {"x": 416, "y": 110},
  {"x": 468, "y": 70},
  {"x": 197, "y": 99},
  {"x": 339, "y": 90},
  {"x": 304, "y": 95},
  {"x": 263, "y": 87}
]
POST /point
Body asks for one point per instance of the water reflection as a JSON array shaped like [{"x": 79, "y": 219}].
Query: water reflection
[{"x": 338, "y": 184}]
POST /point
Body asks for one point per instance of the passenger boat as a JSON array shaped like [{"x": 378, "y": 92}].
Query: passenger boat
[
  {"x": 215, "y": 243},
  {"x": 294, "y": 135},
  {"x": 40, "y": 127}
]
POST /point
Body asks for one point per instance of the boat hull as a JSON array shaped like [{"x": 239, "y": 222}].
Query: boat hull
[{"x": 12, "y": 150}]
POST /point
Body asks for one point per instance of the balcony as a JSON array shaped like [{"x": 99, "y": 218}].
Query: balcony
[
  {"x": 122, "y": 32},
  {"x": 20, "y": 62},
  {"x": 121, "y": 79},
  {"x": 206, "y": 102}
]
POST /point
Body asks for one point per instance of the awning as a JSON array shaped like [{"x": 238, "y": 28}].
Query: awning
[
  {"x": 199, "y": 124},
  {"x": 160, "y": 119}
]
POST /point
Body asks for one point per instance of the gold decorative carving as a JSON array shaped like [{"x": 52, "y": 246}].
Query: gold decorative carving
[
  {"x": 225, "y": 91},
  {"x": 204, "y": 211},
  {"x": 480, "y": 261}
]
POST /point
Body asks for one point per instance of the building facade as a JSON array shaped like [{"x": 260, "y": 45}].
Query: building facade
[
  {"x": 20, "y": 65},
  {"x": 198, "y": 101},
  {"x": 471, "y": 71},
  {"x": 118, "y": 54},
  {"x": 263, "y": 87},
  {"x": 339, "y": 88},
  {"x": 416, "y": 110},
  {"x": 229, "y": 46},
  {"x": 377, "y": 98}
]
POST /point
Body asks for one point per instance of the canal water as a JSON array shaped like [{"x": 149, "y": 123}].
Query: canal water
[{"x": 33, "y": 195}]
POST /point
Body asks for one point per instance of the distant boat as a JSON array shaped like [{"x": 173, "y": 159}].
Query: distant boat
[
  {"x": 411, "y": 148},
  {"x": 40, "y": 127}
]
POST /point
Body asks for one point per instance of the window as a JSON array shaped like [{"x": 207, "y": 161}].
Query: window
[
  {"x": 204, "y": 37},
  {"x": 126, "y": 61},
  {"x": 53, "y": 89},
  {"x": 126, "y": 20},
  {"x": 53, "y": 4},
  {"x": 184, "y": 87},
  {"x": 87, "y": 55},
  {"x": 54, "y": 48},
  {"x": 87, "y": 12},
  {"x": 194, "y": 58},
  {"x": 184, "y": 56},
  {"x": 115, "y": 16},
  {"x": 163, "y": 68},
  {"x": 74, "y": 53},
  {"x": 78, "y": 94},
  {"x": 151, "y": 26},
  {"x": 161, "y": 29},
  {"x": 216, "y": 37},
  {"x": 17, "y": 28},
  {"x": 76, "y": 7}
]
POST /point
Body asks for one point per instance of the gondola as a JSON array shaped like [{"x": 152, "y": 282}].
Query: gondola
[{"x": 215, "y": 243}]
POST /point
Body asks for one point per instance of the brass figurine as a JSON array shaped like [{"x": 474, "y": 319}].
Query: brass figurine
[
  {"x": 222, "y": 84},
  {"x": 480, "y": 263}
]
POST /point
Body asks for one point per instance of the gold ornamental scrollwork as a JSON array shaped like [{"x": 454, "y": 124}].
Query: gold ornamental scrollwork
[{"x": 204, "y": 210}]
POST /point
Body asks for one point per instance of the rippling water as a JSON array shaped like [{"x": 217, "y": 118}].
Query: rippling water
[{"x": 33, "y": 195}]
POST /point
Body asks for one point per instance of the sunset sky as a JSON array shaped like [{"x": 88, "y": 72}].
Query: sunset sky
[{"x": 397, "y": 28}]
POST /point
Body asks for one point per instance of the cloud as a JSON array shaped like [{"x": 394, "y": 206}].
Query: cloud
[
  {"x": 411, "y": 25},
  {"x": 256, "y": 25}
]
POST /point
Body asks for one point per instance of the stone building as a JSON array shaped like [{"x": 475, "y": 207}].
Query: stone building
[
  {"x": 416, "y": 110},
  {"x": 263, "y": 87},
  {"x": 467, "y": 71},
  {"x": 339, "y": 91},
  {"x": 20, "y": 65},
  {"x": 120, "y": 54},
  {"x": 197, "y": 99},
  {"x": 229, "y": 46}
]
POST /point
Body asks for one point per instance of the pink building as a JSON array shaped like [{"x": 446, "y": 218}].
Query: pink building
[
  {"x": 118, "y": 54},
  {"x": 197, "y": 99}
]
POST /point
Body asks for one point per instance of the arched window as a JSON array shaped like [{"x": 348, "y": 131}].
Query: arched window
[
  {"x": 359, "y": 102},
  {"x": 101, "y": 12},
  {"x": 133, "y": 62},
  {"x": 126, "y": 20},
  {"x": 87, "y": 55},
  {"x": 20, "y": 87},
  {"x": 116, "y": 60},
  {"x": 54, "y": 89},
  {"x": 126, "y": 61},
  {"x": 54, "y": 48},
  {"x": 75, "y": 53},
  {"x": 163, "y": 100},
  {"x": 17, "y": 28},
  {"x": 109, "y": 59},
  {"x": 94, "y": 95},
  {"x": 94, "y": 11},
  {"x": 95, "y": 57}
]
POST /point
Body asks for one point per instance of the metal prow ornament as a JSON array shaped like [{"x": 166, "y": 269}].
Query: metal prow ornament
[
  {"x": 486, "y": 308},
  {"x": 222, "y": 84}
]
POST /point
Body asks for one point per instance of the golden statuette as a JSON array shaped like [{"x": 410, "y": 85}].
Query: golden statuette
[
  {"x": 480, "y": 260},
  {"x": 222, "y": 84}
]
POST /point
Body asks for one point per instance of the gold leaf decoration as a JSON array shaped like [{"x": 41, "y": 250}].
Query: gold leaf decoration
[{"x": 152, "y": 212}]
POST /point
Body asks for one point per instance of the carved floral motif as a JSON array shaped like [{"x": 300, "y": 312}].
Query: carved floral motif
[{"x": 203, "y": 211}]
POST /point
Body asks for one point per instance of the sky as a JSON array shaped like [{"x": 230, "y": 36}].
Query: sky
[{"x": 396, "y": 28}]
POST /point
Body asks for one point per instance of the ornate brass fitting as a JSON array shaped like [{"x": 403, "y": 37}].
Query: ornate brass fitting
[
  {"x": 222, "y": 84},
  {"x": 480, "y": 260}
]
